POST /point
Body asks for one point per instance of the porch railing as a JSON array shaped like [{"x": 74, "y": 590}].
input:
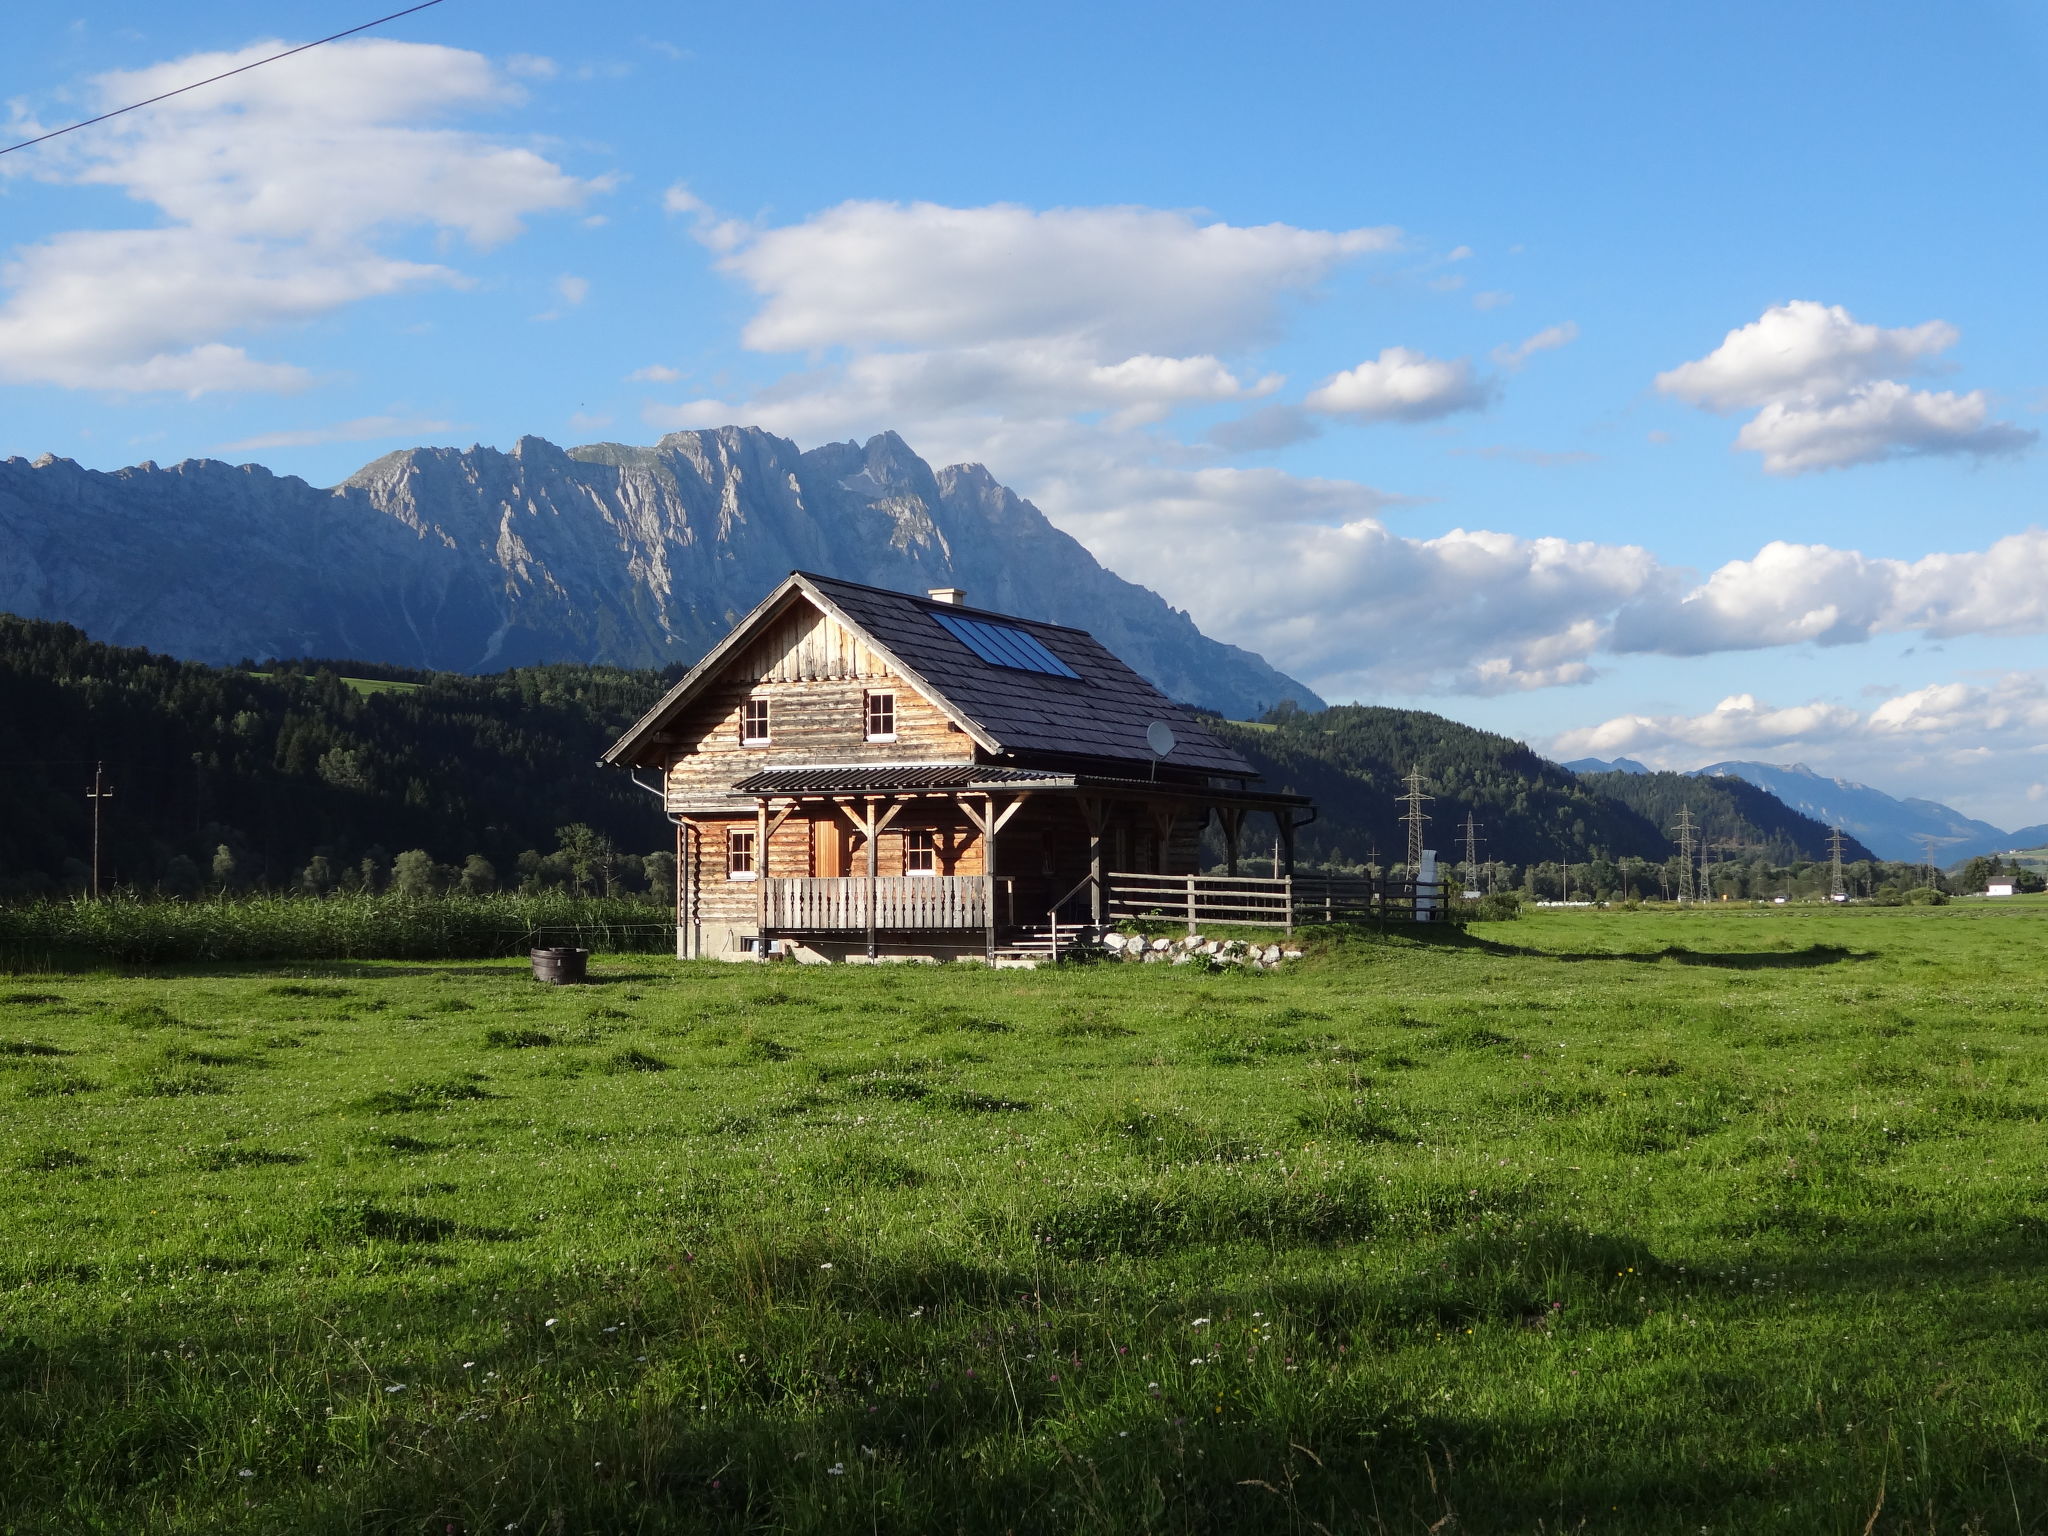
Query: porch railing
[{"x": 891, "y": 903}]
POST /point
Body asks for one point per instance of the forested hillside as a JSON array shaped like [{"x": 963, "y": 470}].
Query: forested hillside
[
  {"x": 317, "y": 775},
  {"x": 1351, "y": 758},
  {"x": 1737, "y": 819},
  {"x": 284, "y": 768}
]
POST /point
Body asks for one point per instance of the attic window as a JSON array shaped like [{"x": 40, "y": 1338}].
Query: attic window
[
  {"x": 754, "y": 722},
  {"x": 1004, "y": 645},
  {"x": 881, "y": 717}
]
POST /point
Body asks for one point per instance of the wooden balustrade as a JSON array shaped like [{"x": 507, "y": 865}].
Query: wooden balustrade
[
  {"x": 1263, "y": 901},
  {"x": 891, "y": 903}
]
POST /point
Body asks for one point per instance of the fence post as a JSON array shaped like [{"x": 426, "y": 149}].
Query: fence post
[
  {"x": 1287, "y": 898},
  {"x": 1192, "y": 928}
]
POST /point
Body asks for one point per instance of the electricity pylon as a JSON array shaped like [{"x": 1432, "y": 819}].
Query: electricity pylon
[
  {"x": 1928, "y": 843},
  {"x": 1685, "y": 830},
  {"x": 1416, "y": 820},
  {"x": 1472, "y": 842},
  {"x": 1838, "y": 889}
]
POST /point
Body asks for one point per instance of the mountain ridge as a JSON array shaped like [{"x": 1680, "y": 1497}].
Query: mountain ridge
[
  {"x": 1891, "y": 826},
  {"x": 475, "y": 559}
]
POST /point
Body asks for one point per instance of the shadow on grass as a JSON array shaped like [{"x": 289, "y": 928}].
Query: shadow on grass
[{"x": 1446, "y": 937}]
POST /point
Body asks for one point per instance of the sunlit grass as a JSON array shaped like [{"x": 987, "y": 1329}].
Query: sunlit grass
[{"x": 1614, "y": 1222}]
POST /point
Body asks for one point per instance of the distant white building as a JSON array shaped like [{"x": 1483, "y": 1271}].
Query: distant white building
[{"x": 2000, "y": 885}]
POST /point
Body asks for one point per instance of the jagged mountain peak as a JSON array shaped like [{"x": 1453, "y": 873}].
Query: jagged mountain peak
[{"x": 480, "y": 558}]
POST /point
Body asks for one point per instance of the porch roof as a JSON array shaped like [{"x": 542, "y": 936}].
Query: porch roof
[
  {"x": 922, "y": 778},
  {"x": 882, "y": 778}
]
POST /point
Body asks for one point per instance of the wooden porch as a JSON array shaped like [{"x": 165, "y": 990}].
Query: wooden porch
[{"x": 1001, "y": 906}]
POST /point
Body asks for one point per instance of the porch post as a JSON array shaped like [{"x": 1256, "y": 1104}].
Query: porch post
[
  {"x": 761, "y": 872},
  {"x": 1232, "y": 818},
  {"x": 1286, "y": 821},
  {"x": 684, "y": 877},
  {"x": 874, "y": 872},
  {"x": 988, "y": 866}
]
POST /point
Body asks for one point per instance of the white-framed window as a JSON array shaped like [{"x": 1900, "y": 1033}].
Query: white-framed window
[
  {"x": 920, "y": 853},
  {"x": 739, "y": 853},
  {"x": 880, "y": 720},
  {"x": 754, "y": 723}
]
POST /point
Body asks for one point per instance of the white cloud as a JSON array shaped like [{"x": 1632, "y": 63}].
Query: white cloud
[
  {"x": 1402, "y": 385},
  {"x": 574, "y": 290},
  {"x": 278, "y": 188},
  {"x": 1874, "y": 422},
  {"x": 1801, "y": 350},
  {"x": 1794, "y": 593},
  {"x": 654, "y": 373},
  {"x": 1546, "y": 340},
  {"x": 1816, "y": 376},
  {"x": 1492, "y": 298},
  {"x": 361, "y": 430},
  {"x": 1955, "y": 741},
  {"x": 1128, "y": 280}
]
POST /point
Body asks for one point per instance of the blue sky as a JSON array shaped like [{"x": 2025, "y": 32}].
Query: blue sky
[{"x": 1630, "y": 379}]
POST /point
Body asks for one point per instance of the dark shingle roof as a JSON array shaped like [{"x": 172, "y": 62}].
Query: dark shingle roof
[{"x": 1102, "y": 713}]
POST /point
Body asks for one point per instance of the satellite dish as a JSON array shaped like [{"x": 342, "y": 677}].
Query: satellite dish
[{"x": 1159, "y": 737}]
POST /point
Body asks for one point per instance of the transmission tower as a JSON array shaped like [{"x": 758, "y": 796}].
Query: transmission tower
[
  {"x": 1928, "y": 843},
  {"x": 1416, "y": 820},
  {"x": 1838, "y": 889},
  {"x": 1472, "y": 842},
  {"x": 1685, "y": 830}
]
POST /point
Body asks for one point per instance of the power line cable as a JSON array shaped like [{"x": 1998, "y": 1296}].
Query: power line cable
[{"x": 209, "y": 80}]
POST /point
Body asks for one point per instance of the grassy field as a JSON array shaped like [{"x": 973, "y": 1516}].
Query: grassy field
[{"x": 1727, "y": 1222}]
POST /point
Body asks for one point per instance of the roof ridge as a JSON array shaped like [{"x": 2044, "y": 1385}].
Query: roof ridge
[{"x": 931, "y": 604}]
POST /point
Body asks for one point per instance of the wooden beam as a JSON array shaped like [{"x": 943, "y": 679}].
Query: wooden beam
[
  {"x": 1233, "y": 830},
  {"x": 1163, "y": 818}
]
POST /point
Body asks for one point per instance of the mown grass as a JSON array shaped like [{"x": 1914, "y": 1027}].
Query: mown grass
[{"x": 1601, "y": 1222}]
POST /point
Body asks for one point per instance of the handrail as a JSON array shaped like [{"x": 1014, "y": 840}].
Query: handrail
[{"x": 1052, "y": 914}]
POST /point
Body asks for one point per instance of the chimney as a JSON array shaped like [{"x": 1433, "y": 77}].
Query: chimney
[{"x": 953, "y": 595}]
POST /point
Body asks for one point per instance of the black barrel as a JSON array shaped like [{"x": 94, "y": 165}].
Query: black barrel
[{"x": 560, "y": 967}]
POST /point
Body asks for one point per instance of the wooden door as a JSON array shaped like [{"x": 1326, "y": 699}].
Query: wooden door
[{"x": 831, "y": 849}]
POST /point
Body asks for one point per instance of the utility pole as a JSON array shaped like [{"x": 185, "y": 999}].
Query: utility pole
[
  {"x": 1837, "y": 889},
  {"x": 101, "y": 790},
  {"x": 1472, "y": 842},
  {"x": 1928, "y": 843},
  {"x": 1416, "y": 820},
  {"x": 1685, "y": 830}
]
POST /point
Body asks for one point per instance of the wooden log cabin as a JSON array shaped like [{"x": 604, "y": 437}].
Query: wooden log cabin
[{"x": 861, "y": 773}]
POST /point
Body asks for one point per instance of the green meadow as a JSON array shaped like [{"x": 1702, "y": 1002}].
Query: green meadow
[{"x": 1710, "y": 1222}]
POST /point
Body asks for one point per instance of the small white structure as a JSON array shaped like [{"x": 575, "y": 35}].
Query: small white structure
[
  {"x": 1429, "y": 890},
  {"x": 1999, "y": 885}
]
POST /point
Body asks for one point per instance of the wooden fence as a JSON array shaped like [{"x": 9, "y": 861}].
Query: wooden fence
[
  {"x": 1264, "y": 902},
  {"x": 891, "y": 903}
]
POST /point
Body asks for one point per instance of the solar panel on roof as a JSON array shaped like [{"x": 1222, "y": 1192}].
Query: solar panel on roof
[{"x": 1004, "y": 645}]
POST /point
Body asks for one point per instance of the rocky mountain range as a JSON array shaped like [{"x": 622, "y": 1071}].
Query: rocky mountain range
[
  {"x": 1891, "y": 827},
  {"x": 477, "y": 560}
]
